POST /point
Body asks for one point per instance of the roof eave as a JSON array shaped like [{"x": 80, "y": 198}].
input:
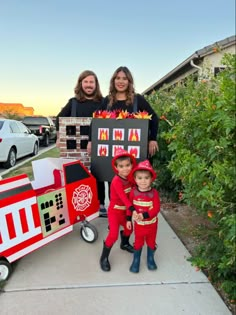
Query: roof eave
[{"x": 197, "y": 56}]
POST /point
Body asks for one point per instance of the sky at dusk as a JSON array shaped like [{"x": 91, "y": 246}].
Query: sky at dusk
[{"x": 46, "y": 44}]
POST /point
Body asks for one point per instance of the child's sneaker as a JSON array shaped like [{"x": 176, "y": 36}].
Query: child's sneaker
[{"x": 102, "y": 212}]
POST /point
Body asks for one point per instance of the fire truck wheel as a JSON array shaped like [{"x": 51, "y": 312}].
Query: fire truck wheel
[
  {"x": 5, "y": 270},
  {"x": 88, "y": 233}
]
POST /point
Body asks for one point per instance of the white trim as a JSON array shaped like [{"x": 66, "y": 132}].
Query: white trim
[
  {"x": 93, "y": 216},
  {"x": 39, "y": 244},
  {"x": 14, "y": 184}
]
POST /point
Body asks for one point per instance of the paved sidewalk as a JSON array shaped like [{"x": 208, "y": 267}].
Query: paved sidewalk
[{"x": 64, "y": 277}]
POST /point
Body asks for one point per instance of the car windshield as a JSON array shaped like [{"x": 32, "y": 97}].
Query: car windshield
[
  {"x": 35, "y": 121},
  {"x": 1, "y": 124}
]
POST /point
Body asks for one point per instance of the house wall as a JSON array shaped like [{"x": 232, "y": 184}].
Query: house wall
[
  {"x": 210, "y": 61},
  {"x": 214, "y": 59},
  {"x": 207, "y": 58}
]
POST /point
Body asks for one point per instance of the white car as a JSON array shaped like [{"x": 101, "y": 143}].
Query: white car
[{"x": 16, "y": 141}]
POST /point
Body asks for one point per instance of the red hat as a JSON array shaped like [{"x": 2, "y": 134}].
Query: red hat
[
  {"x": 119, "y": 153},
  {"x": 144, "y": 166}
]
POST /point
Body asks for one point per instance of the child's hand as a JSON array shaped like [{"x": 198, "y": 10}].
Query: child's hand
[
  {"x": 135, "y": 215},
  {"x": 140, "y": 217},
  {"x": 129, "y": 225}
]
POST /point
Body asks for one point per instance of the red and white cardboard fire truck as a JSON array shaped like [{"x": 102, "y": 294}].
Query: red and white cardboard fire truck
[{"x": 34, "y": 213}]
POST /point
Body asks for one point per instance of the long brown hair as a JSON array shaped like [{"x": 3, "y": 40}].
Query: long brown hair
[
  {"x": 79, "y": 93},
  {"x": 130, "y": 91}
]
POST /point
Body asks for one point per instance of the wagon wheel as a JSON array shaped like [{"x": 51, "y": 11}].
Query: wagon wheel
[
  {"x": 88, "y": 232},
  {"x": 5, "y": 270}
]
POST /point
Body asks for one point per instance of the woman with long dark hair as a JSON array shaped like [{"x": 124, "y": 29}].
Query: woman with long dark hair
[{"x": 122, "y": 96}]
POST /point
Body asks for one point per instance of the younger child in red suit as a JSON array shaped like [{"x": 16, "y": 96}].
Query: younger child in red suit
[
  {"x": 146, "y": 202},
  {"x": 120, "y": 188}
]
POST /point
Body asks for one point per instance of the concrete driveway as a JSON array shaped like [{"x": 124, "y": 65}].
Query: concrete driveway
[{"x": 64, "y": 277}]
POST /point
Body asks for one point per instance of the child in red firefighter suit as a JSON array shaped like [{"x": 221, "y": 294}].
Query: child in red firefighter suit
[
  {"x": 146, "y": 202},
  {"x": 122, "y": 164}
]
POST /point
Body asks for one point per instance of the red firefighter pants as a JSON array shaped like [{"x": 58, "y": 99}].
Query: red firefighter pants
[
  {"x": 116, "y": 218},
  {"x": 145, "y": 233}
]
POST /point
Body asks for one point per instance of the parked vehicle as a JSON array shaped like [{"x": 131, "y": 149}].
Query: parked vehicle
[
  {"x": 16, "y": 141},
  {"x": 54, "y": 119},
  {"x": 42, "y": 127}
]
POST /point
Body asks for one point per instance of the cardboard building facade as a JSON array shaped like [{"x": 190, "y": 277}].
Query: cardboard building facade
[
  {"x": 108, "y": 135},
  {"x": 73, "y": 138}
]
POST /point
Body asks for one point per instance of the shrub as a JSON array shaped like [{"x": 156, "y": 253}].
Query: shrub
[{"x": 197, "y": 148}]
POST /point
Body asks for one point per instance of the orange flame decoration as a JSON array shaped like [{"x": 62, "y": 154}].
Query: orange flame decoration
[
  {"x": 133, "y": 136},
  {"x": 102, "y": 114},
  {"x": 121, "y": 114},
  {"x": 134, "y": 152},
  {"x": 102, "y": 151},
  {"x": 142, "y": 115},
  {"x": 103, "y": 134}
]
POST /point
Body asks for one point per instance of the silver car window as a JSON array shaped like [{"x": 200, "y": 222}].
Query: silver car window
[
  {"x": 14, "y": 128},
  {"x": 22, "y": 127}
]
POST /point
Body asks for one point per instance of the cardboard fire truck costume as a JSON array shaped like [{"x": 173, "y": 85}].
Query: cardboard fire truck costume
[{"x": 34, "y": 213}]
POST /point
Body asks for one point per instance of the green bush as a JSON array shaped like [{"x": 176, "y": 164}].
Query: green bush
[
  {"x": 166, "y": 184},
  {"x": 197, "y": 147}
]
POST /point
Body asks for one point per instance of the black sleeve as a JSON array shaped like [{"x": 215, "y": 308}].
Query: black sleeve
[
  {"x": 65, "y": 112},
  {"x": 132, "y": 208},
  {"x": 103, "y": 105},
  {"x": 145, "y": 215},
  {"x": 143, "y": 105}
]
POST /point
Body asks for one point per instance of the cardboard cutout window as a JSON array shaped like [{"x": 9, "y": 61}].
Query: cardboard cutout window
[
  {"x": 71, "y": 144},
  {"x": 84, "y": 130},
  {"x": 75, "y": 172},
  {"x": 70, "y": 130}
]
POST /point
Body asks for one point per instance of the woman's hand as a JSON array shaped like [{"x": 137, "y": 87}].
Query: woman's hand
[{"x": 152, "y": 147}]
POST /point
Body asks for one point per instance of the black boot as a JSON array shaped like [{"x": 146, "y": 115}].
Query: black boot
[
  {"x": 136, "y": 261},
  {"x": 125, "y": 245},
  {"x": 104, "y": 262},
  {"x": 150, "y": 259}
]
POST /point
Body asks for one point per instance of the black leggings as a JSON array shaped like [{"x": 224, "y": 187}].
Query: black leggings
[{"x": 101, "y": 191}]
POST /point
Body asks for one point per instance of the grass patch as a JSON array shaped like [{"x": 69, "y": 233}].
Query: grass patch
[{"x": 27, "y": 167}]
